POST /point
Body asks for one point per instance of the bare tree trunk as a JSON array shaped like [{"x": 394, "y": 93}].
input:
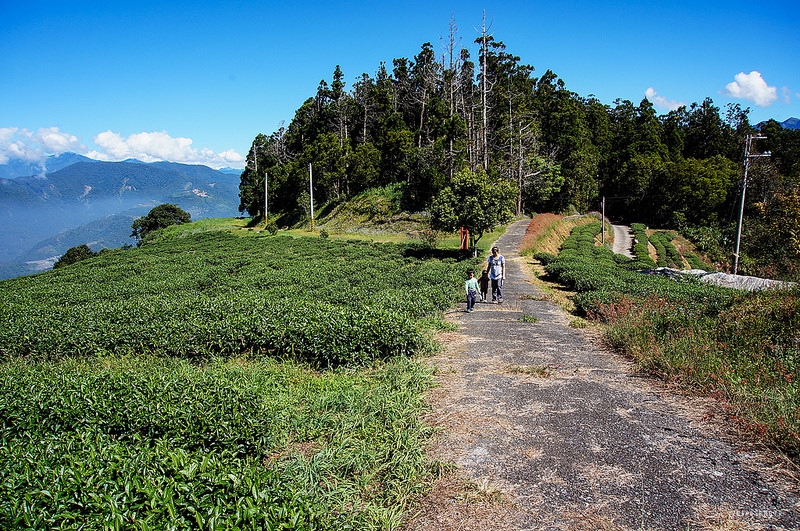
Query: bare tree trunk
[
  {"x": 484, "y": 135},
  {"x": 452, "y": 79}
]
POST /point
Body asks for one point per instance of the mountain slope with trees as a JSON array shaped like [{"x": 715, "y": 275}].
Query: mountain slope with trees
[
  {"x": 420, "y": 121},
  {"x": 94, "y": 202}
]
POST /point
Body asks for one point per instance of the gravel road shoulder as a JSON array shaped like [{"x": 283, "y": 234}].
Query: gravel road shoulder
[{"x": 544, "y": 428}]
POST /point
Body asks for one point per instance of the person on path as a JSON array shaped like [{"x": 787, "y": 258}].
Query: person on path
[
  {"x": 471, "y": 287},
  {"x": 497, "y": 273},
  {"x": 483, "y": 282}
]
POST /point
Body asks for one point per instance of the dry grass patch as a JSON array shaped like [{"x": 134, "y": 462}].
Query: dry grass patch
[
  {"x": 547, "y": 232},
  {"x": 609, "y": 475},
  {"x": 458, "y": 503},
  {"x": 593, "y": 518},
  {"x": 723, "y": 518},
  {"x": 539, "y": 371},
  {"x": 294, "y": 450},
  {"x": 552, "y": 291}
]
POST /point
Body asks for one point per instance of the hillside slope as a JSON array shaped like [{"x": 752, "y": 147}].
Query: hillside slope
[{"x": 42, "y": 216}]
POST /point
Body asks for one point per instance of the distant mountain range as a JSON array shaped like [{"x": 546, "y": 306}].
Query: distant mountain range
[
  {"x": 71, "y": 200},
  {"x": 791, "y": 123}
]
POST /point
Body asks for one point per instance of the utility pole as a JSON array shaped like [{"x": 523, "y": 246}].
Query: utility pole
[
  {"x": 311, "y": 194},
  {"x": 748, "y": 145},
  {"x": 266, "y": 198},
  {"x": 603, "y": 224}
]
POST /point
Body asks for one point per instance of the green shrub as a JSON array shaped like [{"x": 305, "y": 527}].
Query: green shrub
[
  {"x": 696, "y": 263},
  {"x": 543, "y": 257},
  {"x": 73, "y": 255}
]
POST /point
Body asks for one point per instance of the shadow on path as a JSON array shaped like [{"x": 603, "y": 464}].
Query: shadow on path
[{"x": 549, "y": 430}]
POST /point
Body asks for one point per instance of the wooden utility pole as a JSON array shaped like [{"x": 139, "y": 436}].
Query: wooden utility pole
[
  {"x": 311, "y": 194},
  {"x": 603, "y": 224}
]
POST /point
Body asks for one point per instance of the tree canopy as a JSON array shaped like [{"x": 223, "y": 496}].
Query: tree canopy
[
  {"x": 421, "y": 121},
  {"x": 74, "y": 254},
  {"x": 159, "y": 217},
  {"x": 473, "y": 200}
]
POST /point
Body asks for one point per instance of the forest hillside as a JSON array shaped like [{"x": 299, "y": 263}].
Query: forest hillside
[{"x": 418, "y": 122}]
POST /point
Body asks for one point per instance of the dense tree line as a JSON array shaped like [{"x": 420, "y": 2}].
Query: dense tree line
[{"x": 439, "y": 113}]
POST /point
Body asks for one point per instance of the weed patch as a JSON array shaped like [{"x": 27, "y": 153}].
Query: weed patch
[{"x": 538, "y": 371}]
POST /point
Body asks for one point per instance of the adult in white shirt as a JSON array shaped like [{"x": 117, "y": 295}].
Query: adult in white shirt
[{"x": 496, "y": 265}]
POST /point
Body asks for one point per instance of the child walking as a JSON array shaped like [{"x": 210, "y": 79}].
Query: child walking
[
  {"x": 483, "y": 282},
  {"x": 471, "y": 287}
]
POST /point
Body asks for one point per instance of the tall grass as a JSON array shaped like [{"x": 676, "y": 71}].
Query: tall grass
[{"x": 747, "y": 353}]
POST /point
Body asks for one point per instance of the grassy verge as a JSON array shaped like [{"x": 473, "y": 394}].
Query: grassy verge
[{"x": 541, "y": 243}]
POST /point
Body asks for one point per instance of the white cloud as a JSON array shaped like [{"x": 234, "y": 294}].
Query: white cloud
[
  {"x": 661, "y": 101},
  {"x": 54, "y": 141},
  {"x": 22, "y": 144},
  {"x": 151, "y": 147},
  {"x": 752, "y": 87}
]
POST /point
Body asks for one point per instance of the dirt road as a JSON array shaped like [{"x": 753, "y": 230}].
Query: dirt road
[{"x": 547, "y": 429}]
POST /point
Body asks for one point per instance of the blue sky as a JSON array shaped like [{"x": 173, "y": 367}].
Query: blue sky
[{"x": 196, "y": 81}]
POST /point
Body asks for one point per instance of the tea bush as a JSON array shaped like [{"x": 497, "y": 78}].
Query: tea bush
[
  {"x": 668, "y": 255},
  {"x": 324, "y": 301},
  {"x": 178, "y": 385},
  {"x": 641, "y": 241},
  {"x": 158, "y": 443}
]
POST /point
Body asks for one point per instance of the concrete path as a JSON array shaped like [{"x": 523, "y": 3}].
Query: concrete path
[
  {"x": 623, "y": 240},
  {"x": 549, "y": 430}
]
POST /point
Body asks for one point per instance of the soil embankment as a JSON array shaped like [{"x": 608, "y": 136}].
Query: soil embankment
[{"x": 548, "y": 429}]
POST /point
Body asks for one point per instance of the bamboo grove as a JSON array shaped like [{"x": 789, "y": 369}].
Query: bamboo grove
[{"x": 445, "y": 110}]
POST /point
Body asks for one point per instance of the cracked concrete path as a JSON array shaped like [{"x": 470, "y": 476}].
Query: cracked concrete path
[{"x": 548, "y": 429}]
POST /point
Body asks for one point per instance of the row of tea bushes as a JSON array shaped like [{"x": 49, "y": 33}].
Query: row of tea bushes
[
  {"x": 667, "y": 253},
  {"x": 326, "y": 301},
  {"x": 601, "y": 277},
  {"x": 158, "y": 443}
]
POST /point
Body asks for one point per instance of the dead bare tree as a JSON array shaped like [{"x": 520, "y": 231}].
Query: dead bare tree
[
  {"x": 451, "y": 65},
  {"x": 486, "y": 88}
]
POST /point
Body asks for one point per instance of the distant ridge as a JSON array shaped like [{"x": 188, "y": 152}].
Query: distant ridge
[
  {"x": 71, "y": 200},
  {"x": 26, "y": 168},
  {"x": 791, "y": 123}
]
